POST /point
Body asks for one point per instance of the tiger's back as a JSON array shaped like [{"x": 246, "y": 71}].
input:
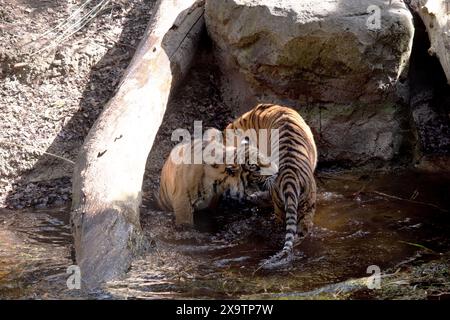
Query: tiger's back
[{"x": 294, "y": 192}]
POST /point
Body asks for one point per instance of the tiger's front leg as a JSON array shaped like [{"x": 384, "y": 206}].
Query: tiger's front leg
[
  {"x": 184, "y": 212},
  {"x": 306, "y": 211}
]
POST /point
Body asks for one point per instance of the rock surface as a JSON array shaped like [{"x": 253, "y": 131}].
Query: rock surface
[
  {"x": 358, "y": 134},
  {"x": 435, "y": 15},
  {"x": 345, "y": 76},
  {"x": 315, "y": 51}
]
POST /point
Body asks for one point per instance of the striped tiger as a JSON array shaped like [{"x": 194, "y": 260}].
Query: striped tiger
[
  {"x": 188, "y": 187},
  {"x": 293, "y": 188}
]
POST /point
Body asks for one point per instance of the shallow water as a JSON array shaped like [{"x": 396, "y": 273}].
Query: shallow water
[{"x": 361, "y": 220}]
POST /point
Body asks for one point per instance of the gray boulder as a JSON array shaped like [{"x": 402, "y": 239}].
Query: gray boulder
[
  {"x": 315, "y": 51},
  {"x": 341, "y": 64}
]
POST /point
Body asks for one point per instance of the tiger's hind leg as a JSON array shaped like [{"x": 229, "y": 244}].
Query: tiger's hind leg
[
  {"x": 304, "y": 225},
  {"x": 306, "y": 216},
  {"x": 278, "y": 208}
]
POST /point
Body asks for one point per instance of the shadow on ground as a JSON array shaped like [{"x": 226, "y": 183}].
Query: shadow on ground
[{"x": 35, "y": 189}]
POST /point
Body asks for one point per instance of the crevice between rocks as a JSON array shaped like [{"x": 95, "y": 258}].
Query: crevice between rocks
[{"x": 429, "y": 104}]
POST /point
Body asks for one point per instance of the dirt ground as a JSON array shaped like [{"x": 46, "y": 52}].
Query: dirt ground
[{"x": 50, "y": 99}]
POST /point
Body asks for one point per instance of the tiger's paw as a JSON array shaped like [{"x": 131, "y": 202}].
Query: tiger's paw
[
  {"x": 261, "y": 198},
  {"x": 281, "y": 259}
]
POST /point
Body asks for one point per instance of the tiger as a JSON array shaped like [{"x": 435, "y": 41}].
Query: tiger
[
  {"x": 189, "y": 187},
  {"x": 293, "y": 188},
  {"x": 186, "y": 188}
]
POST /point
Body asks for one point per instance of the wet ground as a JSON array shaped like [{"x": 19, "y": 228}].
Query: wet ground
[{"x": 398, "y": 221}]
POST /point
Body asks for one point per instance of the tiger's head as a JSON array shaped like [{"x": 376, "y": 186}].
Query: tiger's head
[
  {"x": 222, "y": 170},
  {"x": 258, "y": 171},
  {"x": 226, "y": 180},
  {"x": 238, "y": 172}
]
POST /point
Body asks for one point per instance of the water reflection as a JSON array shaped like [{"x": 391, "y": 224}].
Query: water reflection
[{"x": 361, "y": 220}]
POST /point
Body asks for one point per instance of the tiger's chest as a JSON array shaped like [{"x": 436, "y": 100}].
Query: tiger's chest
[{"x": 205, "y": 197}]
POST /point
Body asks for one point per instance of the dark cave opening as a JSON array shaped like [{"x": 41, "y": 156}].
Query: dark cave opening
[{"x": 429, "y": 97}]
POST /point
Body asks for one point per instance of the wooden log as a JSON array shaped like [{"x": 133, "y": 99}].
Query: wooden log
[{"x": 108, "y": 173}]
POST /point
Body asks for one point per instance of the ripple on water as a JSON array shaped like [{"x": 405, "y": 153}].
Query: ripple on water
[{"x": 358, "y": 223}]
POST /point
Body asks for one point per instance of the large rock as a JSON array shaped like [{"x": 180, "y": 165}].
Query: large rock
[
  {"x": 358, "y": 134},
  {"x": 324, "y": 58},
  {"x": 314, "y": 51}
]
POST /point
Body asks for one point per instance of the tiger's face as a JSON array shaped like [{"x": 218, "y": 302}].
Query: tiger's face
[
  {"x": 226, "y": 177},
  {"x": 258, "y": 172},
  {"x": 248, "y": 171}
]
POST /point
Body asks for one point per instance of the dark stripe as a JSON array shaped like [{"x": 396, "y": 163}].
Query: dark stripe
[{"x": 295, "y": 165}]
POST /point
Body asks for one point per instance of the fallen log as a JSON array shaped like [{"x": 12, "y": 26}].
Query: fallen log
[{"x": 108, "y": 173}]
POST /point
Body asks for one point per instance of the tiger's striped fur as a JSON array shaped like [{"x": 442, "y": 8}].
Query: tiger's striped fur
[
  {"x": 189, "y": 187},
  {"x": 294, "y": 191}
]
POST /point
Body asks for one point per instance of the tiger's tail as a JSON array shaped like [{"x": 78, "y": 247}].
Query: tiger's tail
[
  {"x": 291, "y": 222},
  {"x": 285, "y": 255}
]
